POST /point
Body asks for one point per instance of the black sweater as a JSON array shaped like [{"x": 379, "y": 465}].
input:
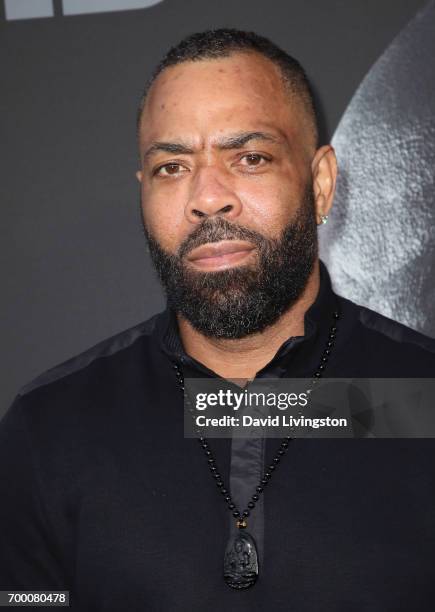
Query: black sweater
[{"x": 103, "y": 496}]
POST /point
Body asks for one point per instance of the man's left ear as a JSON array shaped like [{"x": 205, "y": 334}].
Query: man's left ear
[
  {"x": 139, "y": 176},
  {"x": 324, "y": 172}
]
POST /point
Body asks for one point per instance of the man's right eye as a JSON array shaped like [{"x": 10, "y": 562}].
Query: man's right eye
[{"x": 171, "y": 169}]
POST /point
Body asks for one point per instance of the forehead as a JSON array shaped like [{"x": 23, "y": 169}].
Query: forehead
[{"x": 206, "y": 98}]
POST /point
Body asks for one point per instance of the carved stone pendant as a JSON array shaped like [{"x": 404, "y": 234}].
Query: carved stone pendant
[{"x": 241, "y": 561}]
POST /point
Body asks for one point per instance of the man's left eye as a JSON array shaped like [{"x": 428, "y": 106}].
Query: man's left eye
[{"x": 253, "y": 159}]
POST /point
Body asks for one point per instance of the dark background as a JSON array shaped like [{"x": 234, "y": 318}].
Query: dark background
[{"x": 74, "y": 267}]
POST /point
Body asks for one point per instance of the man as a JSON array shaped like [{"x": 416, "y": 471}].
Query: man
[{"x": 103, "y": 495}]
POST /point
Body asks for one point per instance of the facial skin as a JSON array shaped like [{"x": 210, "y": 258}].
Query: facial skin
[{"x": 223, "y": 138}]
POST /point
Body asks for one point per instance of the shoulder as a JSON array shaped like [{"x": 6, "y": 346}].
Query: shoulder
[
  {"x": 392, "y": 347},
  {"x": 88, "y": 394},
  {"x": 78, "y": 412},
  {"x": 100, "y": 355},
  {"x": 393, "y": 331}
]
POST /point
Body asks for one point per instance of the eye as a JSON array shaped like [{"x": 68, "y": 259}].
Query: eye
[
  {"x": 170, "y": 169},
  {"x": 254, "y": 160}
]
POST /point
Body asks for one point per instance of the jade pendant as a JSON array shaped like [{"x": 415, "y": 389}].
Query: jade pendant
[{"x": 241, "y": 561}]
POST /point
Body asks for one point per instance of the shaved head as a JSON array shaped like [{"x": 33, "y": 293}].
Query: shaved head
[{"x": 222, "y": 43}]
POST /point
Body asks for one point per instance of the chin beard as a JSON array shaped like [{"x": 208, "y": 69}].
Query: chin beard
[{"x": 245, "y": 299}]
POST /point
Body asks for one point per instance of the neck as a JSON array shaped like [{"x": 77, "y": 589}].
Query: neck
[{"x": 243, "y": 358}]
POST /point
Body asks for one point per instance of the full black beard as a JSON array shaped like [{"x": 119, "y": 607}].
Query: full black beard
[{"x": 245, "y": 299}]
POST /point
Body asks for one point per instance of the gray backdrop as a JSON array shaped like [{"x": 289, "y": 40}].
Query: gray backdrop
[
  {"x": 73, "y": 262},
  {"x": 380, "y": 243}
]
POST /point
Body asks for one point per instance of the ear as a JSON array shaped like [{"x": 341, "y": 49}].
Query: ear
[
  {"x": 324, "y": 172},
  {"x": 139, "y": 176}
]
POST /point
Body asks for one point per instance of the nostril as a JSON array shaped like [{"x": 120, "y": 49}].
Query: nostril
[{"x": 226, "y": 208}]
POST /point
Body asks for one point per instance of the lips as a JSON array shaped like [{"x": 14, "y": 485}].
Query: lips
[{"x": 220, "y": 255}]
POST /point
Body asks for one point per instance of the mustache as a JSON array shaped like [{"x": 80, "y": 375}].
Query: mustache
[{"x": 215, "y": 230}]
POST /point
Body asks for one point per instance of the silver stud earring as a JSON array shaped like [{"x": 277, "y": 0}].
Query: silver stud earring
[{"x": 324, "y": 219}]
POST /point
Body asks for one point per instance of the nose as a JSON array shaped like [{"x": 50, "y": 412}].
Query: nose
[{"x": 211, "y": 194}]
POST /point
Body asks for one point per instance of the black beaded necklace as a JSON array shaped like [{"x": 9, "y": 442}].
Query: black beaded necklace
[{"x": 241, "y": 556}]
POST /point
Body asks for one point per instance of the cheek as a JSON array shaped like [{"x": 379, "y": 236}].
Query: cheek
[
  {"x": 163, "y": 219},
  {"x": 270, "y": 205}
]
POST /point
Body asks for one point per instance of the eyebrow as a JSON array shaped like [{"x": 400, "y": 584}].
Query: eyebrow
[
  {"x": 239, "y": 140},
  {"x": 235, "y": 141}
]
